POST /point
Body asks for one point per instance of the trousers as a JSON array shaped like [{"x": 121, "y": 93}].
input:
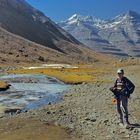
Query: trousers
[{"x": 122, "y": 108}]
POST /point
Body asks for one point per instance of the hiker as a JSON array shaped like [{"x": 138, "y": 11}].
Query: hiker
[{"x": 122, "y": 90}]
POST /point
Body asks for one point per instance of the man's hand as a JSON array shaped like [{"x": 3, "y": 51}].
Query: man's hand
[{"x": 112, "y": 89}]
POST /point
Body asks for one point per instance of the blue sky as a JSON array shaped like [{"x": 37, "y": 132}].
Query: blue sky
[{"x": 59, "y": 10}]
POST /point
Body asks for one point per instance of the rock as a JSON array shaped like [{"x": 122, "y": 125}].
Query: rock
[
  {"x": 2, "y": 116},
  {"x": 12, "y": 111},
  {"x": 87, "y": 119},
  {"x": 49, "y": 103},
  {"x": 108, "y": 136},
  {"x": 4, "y": 86},
  {"x": 122, "y": 131},
  {"x": 93, "y": 120},
  {"x": 127, "y": 136},
  {"x": 41, "y": 58},
  {"x": 106, "y": 121},
  {"x": 49, "y": 112},
  {"x": 136, "y": 131},
  {"x": 18, "y": 112},
  {"x": 112, "y": 131},
  {"x": 64, "y": 114}
]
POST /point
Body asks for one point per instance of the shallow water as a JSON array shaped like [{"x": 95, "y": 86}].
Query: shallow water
[{"x": 31, "y": 91}]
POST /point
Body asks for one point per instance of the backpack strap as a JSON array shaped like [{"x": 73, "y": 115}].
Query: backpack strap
[{"x": 130, "y": 87}]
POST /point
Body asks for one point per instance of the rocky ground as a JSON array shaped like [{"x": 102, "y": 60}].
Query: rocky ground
[{"x": 87, "y": 112}]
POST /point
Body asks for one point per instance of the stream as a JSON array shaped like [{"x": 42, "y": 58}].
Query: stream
[{"x": 29, "y": 91}]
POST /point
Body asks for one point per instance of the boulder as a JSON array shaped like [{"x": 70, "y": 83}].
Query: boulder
[
  {"x": 4, "y": 85},
  {"x": 12, "y": 111}
]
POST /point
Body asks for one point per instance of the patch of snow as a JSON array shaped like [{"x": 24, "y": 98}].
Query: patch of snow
[
  {"x": 59, "y": 66},
  {"x": 34, "y": 18},
  {"x": 77, "y": 19},
  {"x": 73, "y": 17}
]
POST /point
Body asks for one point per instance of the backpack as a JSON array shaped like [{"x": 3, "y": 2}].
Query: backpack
[{"x": 130, "y": 87}]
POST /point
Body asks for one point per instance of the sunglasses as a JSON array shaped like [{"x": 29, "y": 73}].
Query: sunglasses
[{"x": 119, "y": 73}]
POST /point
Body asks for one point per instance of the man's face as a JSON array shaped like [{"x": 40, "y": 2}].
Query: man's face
[{"x": 120, "y": 75}]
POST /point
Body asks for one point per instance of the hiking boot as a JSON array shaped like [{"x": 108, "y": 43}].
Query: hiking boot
[
  {"x": 121, "y": 124},
  {"x": 127, "y": 126}
]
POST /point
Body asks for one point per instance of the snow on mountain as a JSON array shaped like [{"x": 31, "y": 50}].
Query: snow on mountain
[
  {"x": 120, "y": 35},
  {"x": 79, "y": 19}
]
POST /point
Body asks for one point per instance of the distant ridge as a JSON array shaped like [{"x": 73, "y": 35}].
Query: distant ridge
[{"x": 118, "y": 36}]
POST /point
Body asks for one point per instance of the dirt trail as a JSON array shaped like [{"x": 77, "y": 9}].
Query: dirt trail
[{"x": 31, "y": 129}]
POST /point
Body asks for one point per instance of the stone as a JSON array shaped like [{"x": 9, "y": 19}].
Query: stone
[
  {"x": 12, "y": 111},
  {"x": 93, "y": 120}
]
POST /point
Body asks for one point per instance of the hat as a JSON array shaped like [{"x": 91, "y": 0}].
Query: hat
[{"x": 121, "y": 71}]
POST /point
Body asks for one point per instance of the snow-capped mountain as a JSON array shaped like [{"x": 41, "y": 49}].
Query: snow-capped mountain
[
  {"x": 119, "y": 36},
  {"x": 85, "y": 29},
  {"x": 78, "y": 19}
]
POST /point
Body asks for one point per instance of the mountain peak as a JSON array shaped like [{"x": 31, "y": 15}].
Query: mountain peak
[
  {"x": 131, "y": 15},
  {"x": 122, "y": 31},
  {"x": 76, "y": 18}
]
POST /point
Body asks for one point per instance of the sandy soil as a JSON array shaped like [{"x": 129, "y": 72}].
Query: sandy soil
[{"x": 33, "y": 129}]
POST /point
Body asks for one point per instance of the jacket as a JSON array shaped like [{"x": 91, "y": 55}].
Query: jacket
[{"x": 127, "y": 89}]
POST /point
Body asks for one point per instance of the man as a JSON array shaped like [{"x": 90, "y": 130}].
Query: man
[{"x": 122, "y": 90}]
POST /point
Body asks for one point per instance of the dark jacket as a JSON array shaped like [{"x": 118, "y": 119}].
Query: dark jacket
[{"x": 128, "y": 89}]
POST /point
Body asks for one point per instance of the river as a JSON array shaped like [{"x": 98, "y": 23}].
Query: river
[{"x": 29, "y": 91}]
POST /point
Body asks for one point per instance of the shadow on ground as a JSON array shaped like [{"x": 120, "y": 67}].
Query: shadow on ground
[{"x": 135, "y": 125}]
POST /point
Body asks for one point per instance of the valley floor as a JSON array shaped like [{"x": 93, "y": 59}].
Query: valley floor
[{"x": 86, "y": 113}]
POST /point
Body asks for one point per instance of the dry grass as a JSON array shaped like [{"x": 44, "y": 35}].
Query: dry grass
[
  {"x": 68, "y": 75},
  {"x": 3, "y": 85},
  {"x": 128, "y": 62},
  {"x": 2, "y": 109}
]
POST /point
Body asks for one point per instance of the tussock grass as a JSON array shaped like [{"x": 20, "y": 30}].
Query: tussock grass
[
  {"x": 128, "y": 62},
  {"x": 67, "y": 75}
]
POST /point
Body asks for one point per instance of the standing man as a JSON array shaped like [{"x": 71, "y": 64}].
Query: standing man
[{"x": 122, "y": 90}]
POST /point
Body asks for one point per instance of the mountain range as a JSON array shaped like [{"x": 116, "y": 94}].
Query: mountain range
[
  {"x": 27, "y": 35},
  {"x": 118, "y": 36}
]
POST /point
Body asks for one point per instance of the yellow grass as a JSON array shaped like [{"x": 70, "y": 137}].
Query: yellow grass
[
  {"x": 128, "y": 62},
  {"x": 67, "y": 75},
  {"x": 4, "y": 66}
]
